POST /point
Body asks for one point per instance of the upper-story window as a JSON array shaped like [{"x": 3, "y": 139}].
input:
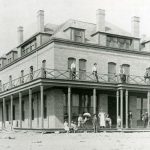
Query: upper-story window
[
  {"x": 82, "y": 68},
  {"x": 43, "y": 69},
  {"x": 78, "y": 35},
  {"x": 118, "y": 42},
  {"x": 28, "y": 47},
  {"x": 126, "y": 68},
  {"x": 70, "y": 61},
  {"x": 31, "y": 72},
  {"x": 111, "y": 71},
  {"x": 22, "y": 76},
  {"x": 0, "y": 85},
  {"x": 75, "y": 34},
  {"x": 10, "y": 81}
]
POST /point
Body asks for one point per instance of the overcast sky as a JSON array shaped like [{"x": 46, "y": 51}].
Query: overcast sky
[{"x": 14, "y": 13}]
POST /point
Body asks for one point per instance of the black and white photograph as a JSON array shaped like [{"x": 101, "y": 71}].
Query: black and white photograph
[{"x": 74, "y": 75}]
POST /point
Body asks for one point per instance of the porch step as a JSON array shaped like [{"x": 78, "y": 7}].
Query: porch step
[{"x": 61, "y": 130}]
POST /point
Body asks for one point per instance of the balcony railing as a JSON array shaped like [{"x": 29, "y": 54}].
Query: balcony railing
[{"x": 78, "y": 76}]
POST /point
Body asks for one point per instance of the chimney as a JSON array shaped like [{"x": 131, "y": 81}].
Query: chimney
[
  {"x": 100, "y": 19},
  {"x": 20, "y": 34},
  {"x": 135, "y": 26},
  {"x": 40, "y": 21}
]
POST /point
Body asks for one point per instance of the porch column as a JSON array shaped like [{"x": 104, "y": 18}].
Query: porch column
[
  {"x": 20, "y": 108},
  {"x": 94, "y": 101},
  {"x": 148, "y": 103},
  {"x": 121, "y": 107},
  {"x": 117, "y": 95},
  {"x": 126, "y": 108},
  {"x": 42, "y": 112},
  {"x": 69, "y": 106},
  {"x": 11, "y": 110},
  {"x": 4, "y": 112},
  {"x": 30, "y": 108}
]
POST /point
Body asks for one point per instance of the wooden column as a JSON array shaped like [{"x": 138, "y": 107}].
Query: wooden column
[
  {"x": 126, "y": 108},
  {"x": 148, "y": 103},
  {"x": 4, "y": 112},
  {"x": 94, "y": 101},
  {"x": 20, "y": 108},
  {"x": 11, "y": 110},
  {"x": 69, "y": 106},
  {"x": 30, "y": 108},
  {"x": 121, "y": 107},
  {"x": 42, "y": 107},
  {"x": 117, "y": 96}
]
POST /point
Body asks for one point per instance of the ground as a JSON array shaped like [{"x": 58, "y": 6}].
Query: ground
[{"x": 74, "y": 141}]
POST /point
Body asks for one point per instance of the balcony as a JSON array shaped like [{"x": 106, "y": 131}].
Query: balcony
[{"x": 54, "y": 74}]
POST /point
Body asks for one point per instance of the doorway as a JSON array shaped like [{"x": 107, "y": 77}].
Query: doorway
[{"x": 112, "y": 109}]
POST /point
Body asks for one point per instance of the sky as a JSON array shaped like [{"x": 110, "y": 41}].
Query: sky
[{"x": 14, "y": 13}]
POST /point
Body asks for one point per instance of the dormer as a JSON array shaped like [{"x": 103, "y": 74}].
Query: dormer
[
  {"x": 75, "y": 34},
  {"x": 2, "y": 62},
  {"x": 11, "y": 56}
]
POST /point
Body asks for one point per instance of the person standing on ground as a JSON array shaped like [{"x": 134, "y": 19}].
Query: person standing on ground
[
  {"x": 73, "y": 70},
  {"x": 95, "y": 123},
  {"x": 94, "y": 71},
  {"x": 145, "y": 119},
  {"x": 130, "y": 119}
]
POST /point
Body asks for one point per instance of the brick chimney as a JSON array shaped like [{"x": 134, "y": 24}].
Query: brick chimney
[
  {"x": 135, "y": 27},
  {"x": 40, "y": 21},
  {"x": 20, "y": 34},
  {"x": 100, "y": 20}
]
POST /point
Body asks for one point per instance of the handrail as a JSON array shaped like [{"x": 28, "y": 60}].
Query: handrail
[{"x": 78, "y": 76}]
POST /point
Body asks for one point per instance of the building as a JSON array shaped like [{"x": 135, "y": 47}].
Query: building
[{"x": 36, "y": 87}]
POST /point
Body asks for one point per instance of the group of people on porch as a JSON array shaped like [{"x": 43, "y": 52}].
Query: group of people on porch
[
  {"x": 101, "y": 120},
  {"x": 83, "y": 119}
]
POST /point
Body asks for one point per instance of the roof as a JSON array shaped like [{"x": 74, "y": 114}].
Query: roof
[{"x": 90, "y": 28}]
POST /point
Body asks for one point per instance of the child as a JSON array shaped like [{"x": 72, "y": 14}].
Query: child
[{"x": 66, "y": 127}]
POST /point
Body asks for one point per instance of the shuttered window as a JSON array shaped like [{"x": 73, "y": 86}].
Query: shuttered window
[
  {"x": 111, "y": 71},
  {"x": 82, "y": 69}
]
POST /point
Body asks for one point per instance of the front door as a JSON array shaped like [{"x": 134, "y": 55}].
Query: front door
[{"x": 112, "y": 109}]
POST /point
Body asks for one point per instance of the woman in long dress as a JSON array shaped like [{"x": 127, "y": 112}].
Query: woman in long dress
[{"x": 102, "y": 119}]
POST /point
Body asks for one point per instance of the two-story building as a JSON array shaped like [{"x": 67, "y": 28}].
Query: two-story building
[{"x": 36, "y": 87}]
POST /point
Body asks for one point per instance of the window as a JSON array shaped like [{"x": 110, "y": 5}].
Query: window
[
  {"x": 0, "y": 85},
  {"x": 141, "y": 105},
  {"x": 70, "y": 61},
  {"x": 14, "y": 112},
  {"x": 111, "y": 71},
  {"x": 78, "y": 35},
  {"x": 7, "y": 112},
  {"x": 44, "y": 63},
  {"x": 44, "y": 69},
  {"x": 32, "y": 109},
  {"x": 82, "y": 69},
  {"x": 23, "y": 111},
  {"x": 31, "y": 72},
  {"x": 22, "y": 76},
  {"x": 45, "y": 106},
  {"x": 126, "y": 68},
  {"x": 10, "y": 81}
]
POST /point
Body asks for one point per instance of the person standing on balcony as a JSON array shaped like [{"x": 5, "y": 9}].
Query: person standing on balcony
[
  {"x": 73, "y": 70},
  {"x": 94, "y": 71},
  {"x": 122, "y": 74},
  {"x": 147, "y": 75}
]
